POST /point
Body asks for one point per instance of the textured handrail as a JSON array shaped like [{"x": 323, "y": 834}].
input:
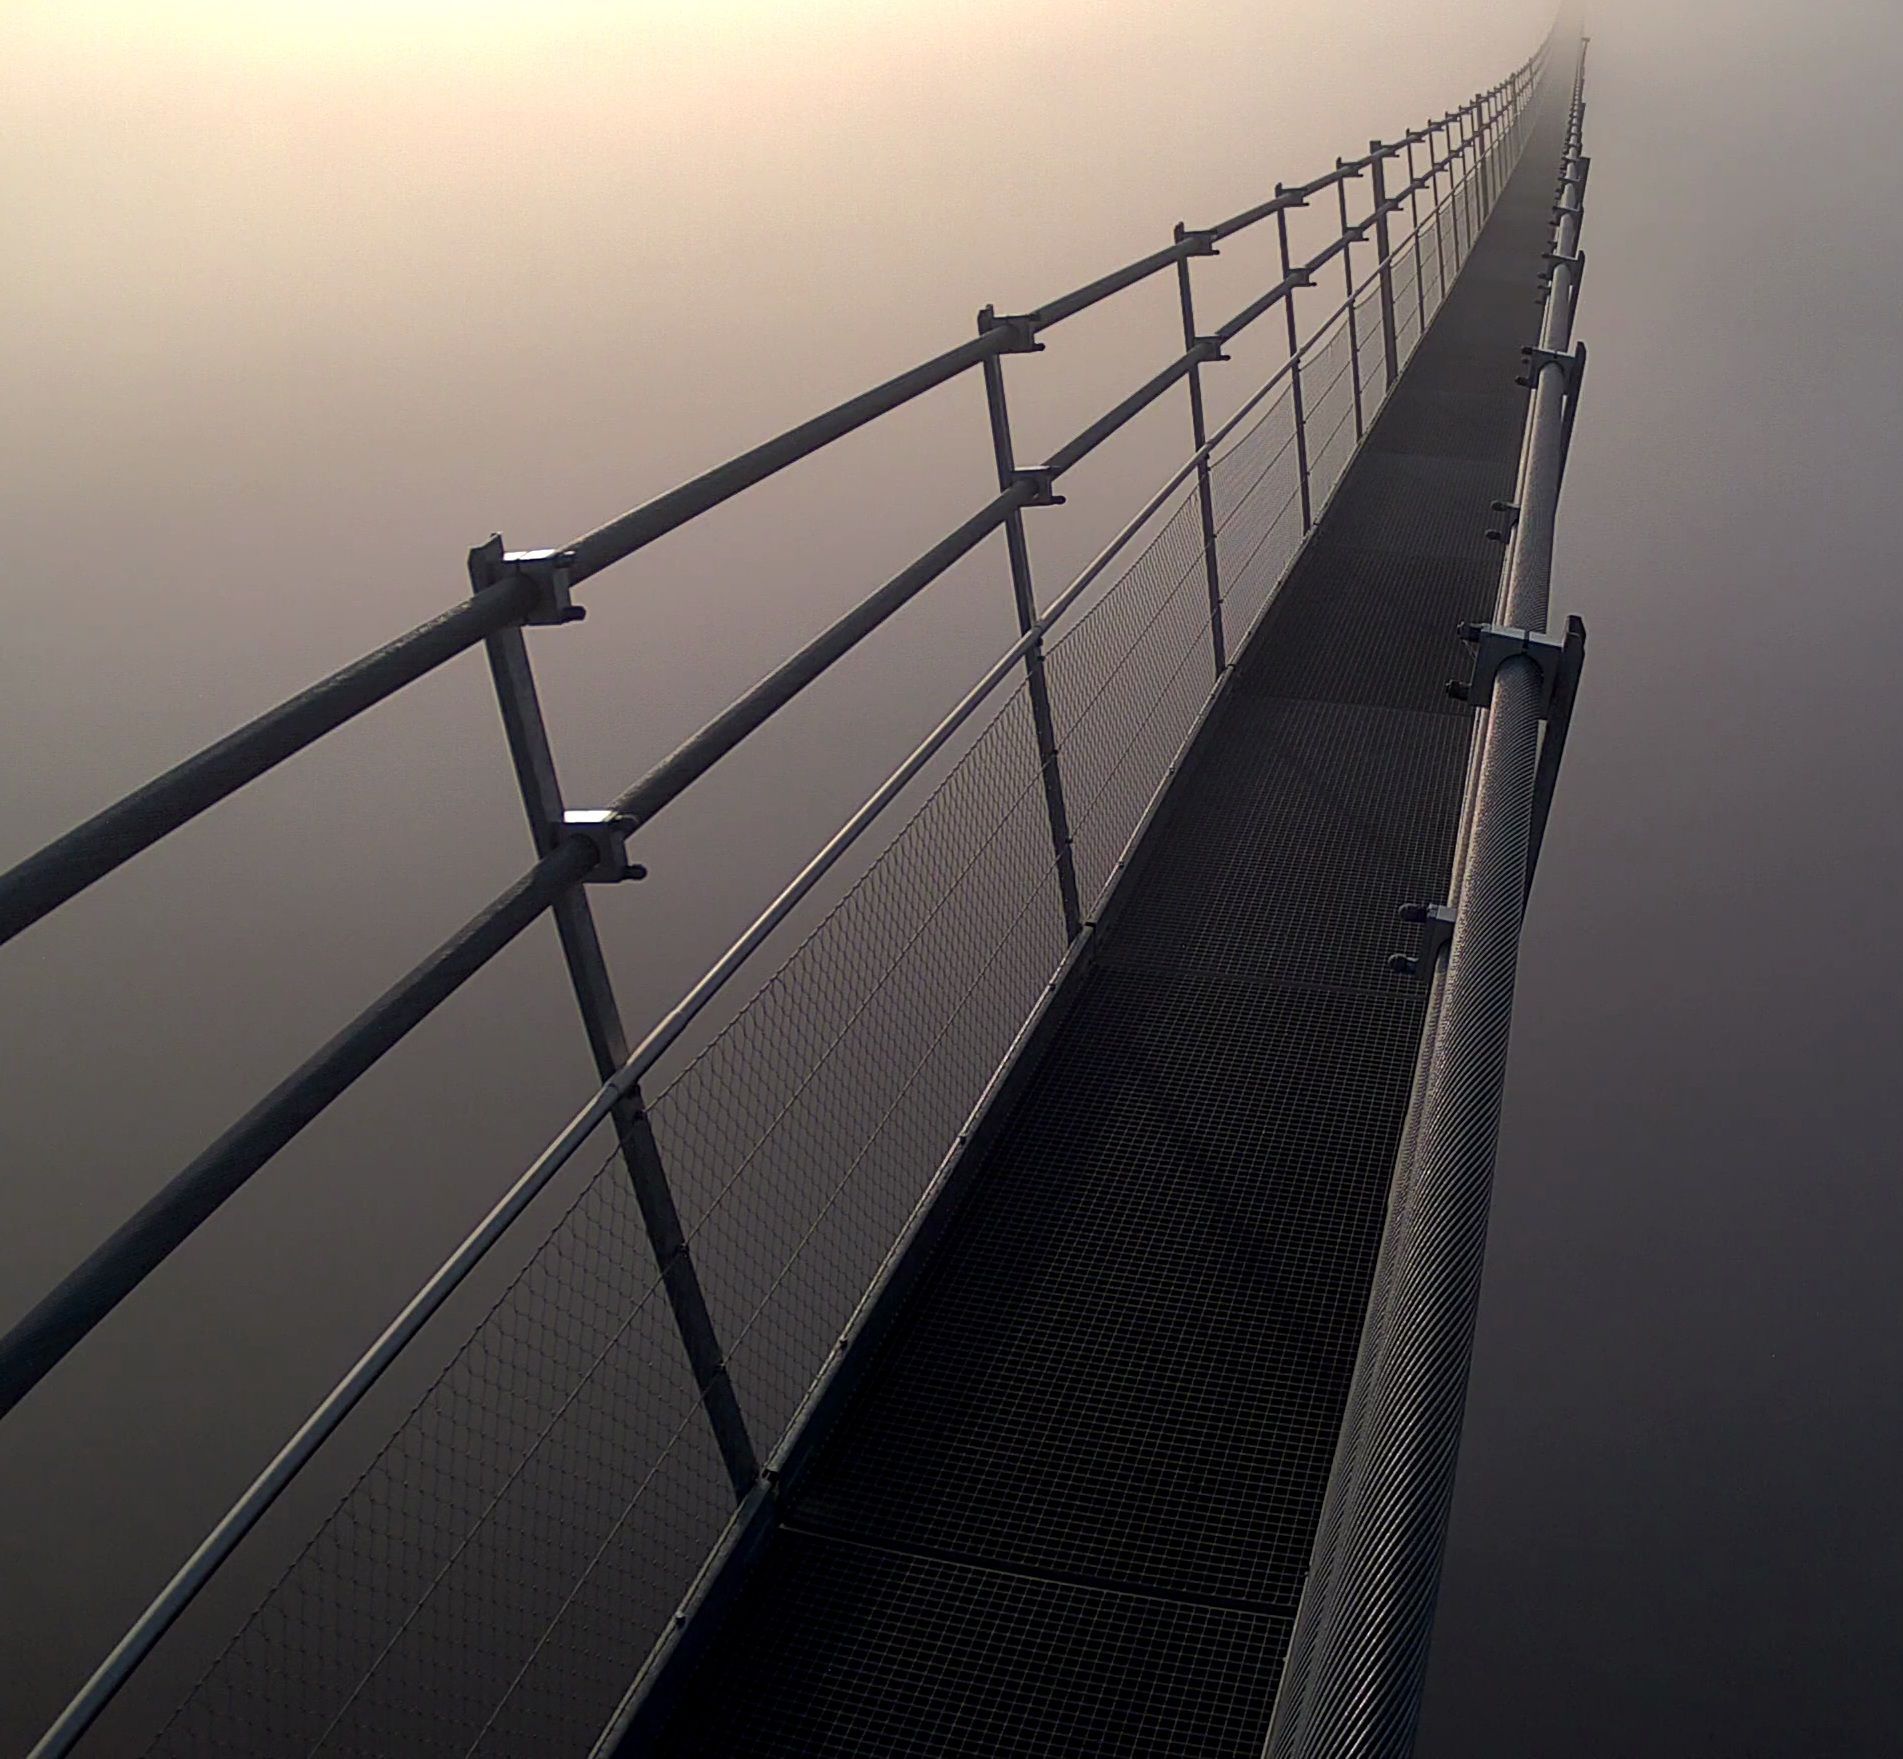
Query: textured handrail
[{"x": 1357, "y": 1656}]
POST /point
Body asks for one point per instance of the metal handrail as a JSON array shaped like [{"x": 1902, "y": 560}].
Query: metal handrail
[
  {"x": 84, "y": 1298},
  {"x": 264, "y": 1490},
  {"x": 1357, "y": 1654},
  {"x": 94, "y": 1288},
  {"x": 43, "y": 881}
]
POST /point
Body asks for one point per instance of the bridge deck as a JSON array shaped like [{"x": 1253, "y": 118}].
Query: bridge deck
[{"x": 1069, "y": 1507}]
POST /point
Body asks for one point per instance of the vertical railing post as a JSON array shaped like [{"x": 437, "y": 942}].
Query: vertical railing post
[
  {"x": 1199, "y": 434},
  {"x": 1414, "y": 214},
  {"x": 1348, "y": 284},
  {"x": 1295, "y": 368},
  {"x": 1453, "y": 187},
  {"x": 1390, "y": 343},
  {"x": 1494, "y": 132},
  {"x": 1483, "y": 125},
  {"x": 1439, "y": 217},
  {"x": 1464, "y": 116},
  {"x": 1470, "y": 151},
  {"x": 534, "y": 761},
  {"x": 1023, "y": 592}
]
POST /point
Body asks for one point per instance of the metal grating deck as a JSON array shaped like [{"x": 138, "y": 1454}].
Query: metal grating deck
[{"x": 1069, "y": 1506}]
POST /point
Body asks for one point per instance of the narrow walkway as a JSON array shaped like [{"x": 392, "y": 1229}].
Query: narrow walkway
[{"x": 1070, "y": 1507}]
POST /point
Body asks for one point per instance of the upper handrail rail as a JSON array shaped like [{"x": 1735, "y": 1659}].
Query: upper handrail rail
[
  {"x": 527, "y": 594},
  {"x": 525, "y": 589}
]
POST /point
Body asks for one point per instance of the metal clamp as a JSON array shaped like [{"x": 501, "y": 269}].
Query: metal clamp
[
  {"x": 1437, "y": 929},
  {"x": 1201, "y": 242},
  {"x": 1023, "y": 328},
  {"x": 1043, "y": 484},
  {"x": 1509, "y": 521},
  {"x": 609, "y": 832},
  {"x": 1496, "y": 643},
  {"x": 548, "y": 569},
  {"x": 1213, "y": 344},
  {"x": 1538, "y": 359}
]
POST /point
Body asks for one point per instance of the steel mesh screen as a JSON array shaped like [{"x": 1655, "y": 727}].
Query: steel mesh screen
[
  {"x": 426, "y": 1604},
  {"x": 803, "y": 1137}
]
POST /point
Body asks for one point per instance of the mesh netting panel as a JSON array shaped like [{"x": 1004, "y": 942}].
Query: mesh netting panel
[
  {"x": 1257, "y": 487},
  {"x": 1374, "y": 358},
  {"x": 1434, "y": 259},
  {"x": 450, "y": 1580},
  {"x": 802, "y": 1138},
  {"x": 1328, "y": 379},
  {"x": 1126, "y": 684},
  {"x": 1410, "y": 298}
]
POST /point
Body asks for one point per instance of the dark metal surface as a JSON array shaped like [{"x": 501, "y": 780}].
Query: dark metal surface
[{"x": 1110, "y": 1404}]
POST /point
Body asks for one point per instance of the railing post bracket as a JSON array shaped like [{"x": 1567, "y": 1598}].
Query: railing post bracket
[
  {"x": 1023, "y": 331},
  {"x": 1538, "y": 359},
  {"x": 1496, "y": 643},
  {"x": 609, "y": 832},
  {"x": 1437, "y": 930},
  {"x": 550, "y": 570}
]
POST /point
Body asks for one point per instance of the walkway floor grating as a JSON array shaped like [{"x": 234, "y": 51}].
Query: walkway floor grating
[{"x": 1069, "y": 1507}]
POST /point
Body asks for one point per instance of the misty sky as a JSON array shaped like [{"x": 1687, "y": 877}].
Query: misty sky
[{"x": 305, "y": 300}]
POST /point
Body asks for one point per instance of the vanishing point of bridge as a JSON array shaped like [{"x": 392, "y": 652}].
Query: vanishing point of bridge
[{"x": 1035, "y": 1320}]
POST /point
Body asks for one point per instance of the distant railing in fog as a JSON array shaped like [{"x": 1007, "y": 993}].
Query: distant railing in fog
[{"x": 527, "y": 1533}]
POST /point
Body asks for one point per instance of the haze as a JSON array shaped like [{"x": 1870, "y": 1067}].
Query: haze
[{"x": 306, "y": 300}]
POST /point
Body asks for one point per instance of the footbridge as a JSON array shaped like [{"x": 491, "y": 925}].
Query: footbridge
[{"x": 1029, "y": 1313}]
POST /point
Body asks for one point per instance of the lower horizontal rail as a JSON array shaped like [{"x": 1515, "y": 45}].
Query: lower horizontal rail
[
  {"x": 34, "y": 1347},
  {"x": 109, "y": 839}
]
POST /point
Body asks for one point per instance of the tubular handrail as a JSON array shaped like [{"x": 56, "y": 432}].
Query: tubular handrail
[
  {"x": 83, "y": 1298},
  {"x": 534, "y": 590},
  {"x": 92, "y": 849},
  {"x": 264, "y": 1490},
  {"x": 1356, "y": 1658}
]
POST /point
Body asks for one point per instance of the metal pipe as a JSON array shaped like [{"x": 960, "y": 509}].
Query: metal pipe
[
  {"x": 620, "y": 538},
  {"x": 1083, "y": 444},
  {"x": 1357, "y": 1656},
  {"x": 1199, "y": 435},
  {"x": 695, "y": 756},
  {"x": 1348, "y": 275},
  {"x": 1024, "y": 596},
  {"x": 534, "y": 760},
  {"x": 115, "y": 1268},
  {"x": 1390, "y": 342},
  {"x": 1295, "y": 378},
  {"x": 90, "y": 851},
  {"x": 1283, "y": 289}
]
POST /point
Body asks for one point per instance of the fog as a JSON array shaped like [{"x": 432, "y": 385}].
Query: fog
[{"x": 305, "y": 301}]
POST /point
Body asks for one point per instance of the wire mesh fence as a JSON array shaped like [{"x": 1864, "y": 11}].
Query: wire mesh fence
[{"x": 492, "y": 1580}]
